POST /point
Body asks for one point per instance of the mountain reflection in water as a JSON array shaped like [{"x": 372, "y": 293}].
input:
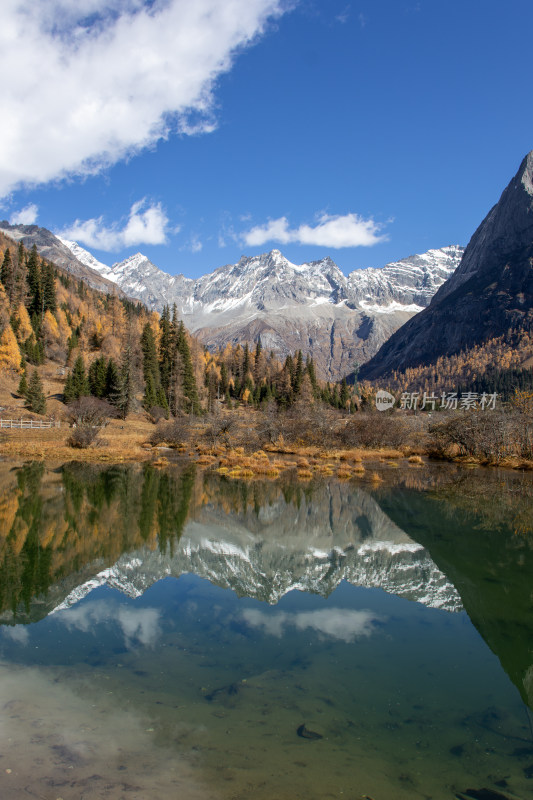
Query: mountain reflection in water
[
  {"x": 64, "y": 533},
  {"x": 70, "y": 535}
]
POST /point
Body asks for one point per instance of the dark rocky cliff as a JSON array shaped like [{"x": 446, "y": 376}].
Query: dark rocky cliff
[{"x": 489, "y": 294}]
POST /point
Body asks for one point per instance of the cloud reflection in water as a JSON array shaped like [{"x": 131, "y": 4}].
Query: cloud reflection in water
[
  {"x": 139, "y": 625},
  {"x": 336, "y": 623}
]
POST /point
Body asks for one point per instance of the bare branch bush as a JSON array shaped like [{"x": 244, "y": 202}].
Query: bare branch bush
[
  {"x": 491, "y": 435},
  {"x": 383, "y": 429},
  {"x": 88, "y": 416},
  {"x": 174, "y": 433},
  {"x": 219, "y": 427}
]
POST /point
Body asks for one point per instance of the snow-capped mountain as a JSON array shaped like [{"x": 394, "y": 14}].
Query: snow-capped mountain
[
  {"x": 337, "y": 319},
  {"x": 89, "y": 260},
  {"x": 63, "y": 254}
]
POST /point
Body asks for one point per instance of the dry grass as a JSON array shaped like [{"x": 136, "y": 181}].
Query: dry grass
[{"x": 344, "y": 474}]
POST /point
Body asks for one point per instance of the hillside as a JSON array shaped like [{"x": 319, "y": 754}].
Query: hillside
[
  {"x": 338, "y": 320},
  {"x": 489, "y": 296},
  {"x": 83, "y": 343}
]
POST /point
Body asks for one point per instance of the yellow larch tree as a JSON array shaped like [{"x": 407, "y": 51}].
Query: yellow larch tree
[
  {"x": 65, "y": 330},
  {"x": 9, "y": 351},
  {"x": 22, "y": 321},
  {"x": 50, "y": 329}
]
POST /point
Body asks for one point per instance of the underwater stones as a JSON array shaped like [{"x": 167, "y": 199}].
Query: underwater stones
[{"x": 305, "y": 733}]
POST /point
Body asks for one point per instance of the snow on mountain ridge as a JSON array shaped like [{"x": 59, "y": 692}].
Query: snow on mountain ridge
[
  {"x": 337, "y": 319},
  {"x": 88, "y": 259}
]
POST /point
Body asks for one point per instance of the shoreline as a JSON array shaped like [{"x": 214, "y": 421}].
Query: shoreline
[{"x": 129, "y": 443}]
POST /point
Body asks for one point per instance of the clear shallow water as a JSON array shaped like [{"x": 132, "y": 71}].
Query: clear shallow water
[{"x": 247, "y": 629}]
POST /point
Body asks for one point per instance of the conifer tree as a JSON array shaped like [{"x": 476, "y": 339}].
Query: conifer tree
[
  {"x": 258, "y": 349},
  {"x": 161, "y": 400},
  {"x": 298, "y": 374},
  {"x": 246, "y": 361},
  {"x": 125, "y": 394},
  {"x": 310, "y": 368},
  {"x": 166, "y": 347},
  {"x": 344, "y": 394},
  {"x": 35, "y": 399},
  {"x": 150, "y": 393},
  {"x": 34, "y": 282},
  {"x": 23, "y": 383},
  {"x": 7, "y": 275},
  {"x": 20, "y": 277},
  {"x": 78, "y": 385},
  {"x": 48, "y": 288},
  {"x": 151, "y": 374},
  {"x": 190, "y": 391},
  {"x": 112, "y": 382},
  {"x": 68, "y": 391},
  {"x": 97, "y": 377},
  {"x": 223, "y": 379}
]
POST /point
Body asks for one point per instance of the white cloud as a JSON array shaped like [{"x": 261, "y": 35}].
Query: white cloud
[
  {"x": 26, "y": 216},
  {"x": 335, "y": 623},
  {"x": 94, "y": 81},
  {"x": 148, "y": 226},
  {"x": 139, "y": 625},
  {"x": 348, "y": 230},
  {"x": 19, "y": 634},
  {"x": 195, "y": 245}
]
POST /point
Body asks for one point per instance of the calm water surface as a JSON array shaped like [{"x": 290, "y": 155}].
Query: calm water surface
[{"x": 172, "y": 634}]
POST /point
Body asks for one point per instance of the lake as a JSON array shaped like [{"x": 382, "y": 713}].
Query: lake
[{"x": 172, "y": 633}]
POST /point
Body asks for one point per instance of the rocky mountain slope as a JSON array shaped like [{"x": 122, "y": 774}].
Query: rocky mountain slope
[
  {"x": 339, "y": 320},
  {"x": 314, "y": 307},
  {"x": 53, "y": 249},
  {"x": 489, "y": 295}
]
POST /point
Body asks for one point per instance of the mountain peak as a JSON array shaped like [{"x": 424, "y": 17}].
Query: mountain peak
[
  {"x": 526, "y": 171},
  {"x": 489, "y": 294}
]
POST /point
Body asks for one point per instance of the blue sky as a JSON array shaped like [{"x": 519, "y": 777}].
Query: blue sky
[{"x": 366, "y": 131}]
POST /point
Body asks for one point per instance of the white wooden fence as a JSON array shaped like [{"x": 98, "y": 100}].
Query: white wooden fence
[{"x": 29, "y": 423}]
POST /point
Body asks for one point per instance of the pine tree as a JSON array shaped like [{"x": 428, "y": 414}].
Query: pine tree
[
  {"x": 224, "y": 379},
  {"x": 246, "y": 361},
  {"x": 23, "y": 383},
  {"x": 68, "y": 389},
  {"x": 35, "y": 399},
  {"x": 298, "y": 374},
  {"x": 190, "y": 391},
  {"x": 97, "y": 377},
  {"x": 112, "y": 382},
  {"x": 21, "y": 273},
  {"x": 161, "y": 400},
  {"x": 151, "y": 374},
  {"x": 48, "y": 288},
  {"x": 166, "y": 348},
  {"x": 125, "y": 395},
  {"x": 344, "y": 394},
  {"x": 78, "y": 386},
  {"x": 310, "y": 367},
  {"x": 7, "y": 275},
  {"x": 150, "y": 393},
  {"x": 34, "y": 282}
]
